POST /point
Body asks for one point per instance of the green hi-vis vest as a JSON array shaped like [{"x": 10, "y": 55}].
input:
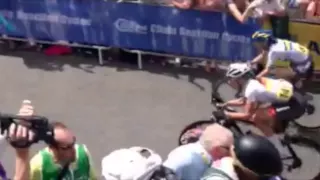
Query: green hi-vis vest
[
  {"x": 213, "y": 173},
  {"x": 50, "y": 170}
]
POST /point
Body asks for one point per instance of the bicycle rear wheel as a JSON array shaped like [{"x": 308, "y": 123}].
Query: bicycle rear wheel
[
  {"x": 309, "y": 125},
  {"x": 309, "y": 153},
  {"x": 310, "y": 121}
]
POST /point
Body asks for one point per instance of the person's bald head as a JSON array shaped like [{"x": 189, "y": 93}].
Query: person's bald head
[
  {"x": 216, "y": 136},
  {"x": 63, "y": 147},
  {"x": 62, "y": 134}
]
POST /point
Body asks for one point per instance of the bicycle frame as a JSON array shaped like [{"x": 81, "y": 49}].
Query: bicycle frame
[{"x": 233, "y": 125}]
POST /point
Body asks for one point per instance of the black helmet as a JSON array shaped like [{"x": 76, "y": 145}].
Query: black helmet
[{"x": 258, "y": 154}]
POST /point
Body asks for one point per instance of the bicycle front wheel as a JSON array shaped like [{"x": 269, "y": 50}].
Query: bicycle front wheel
[
  {"x": 223, "y": 89},
  {"x": 309, "y": 153},
  {"x": 185, "y": 138}
]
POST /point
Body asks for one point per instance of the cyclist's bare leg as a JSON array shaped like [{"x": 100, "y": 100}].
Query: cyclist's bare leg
[
  {"x": 283, "y": 73},
  {"x": 264, "y": 121},
  {"x": 267, "y": 124}
]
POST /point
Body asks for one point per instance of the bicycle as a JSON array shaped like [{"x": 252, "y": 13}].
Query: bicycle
[
  {"x": 288, "y": 141},
  {"x": 225, "y": 81}
]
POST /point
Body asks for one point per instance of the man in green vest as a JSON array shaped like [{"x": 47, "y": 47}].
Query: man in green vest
[
  {"x": 63, "y": 159},
  {"x": 63, "y": 153}
]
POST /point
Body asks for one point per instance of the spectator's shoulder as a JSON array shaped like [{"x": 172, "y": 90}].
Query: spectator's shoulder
[
  {"x": 84, "y": 147},
  {"x": 214, "y": 174},
  {"x": 36, "y": 166},
  {"x": 37, "y": 158},
  {"x": 183, "y": 152}
]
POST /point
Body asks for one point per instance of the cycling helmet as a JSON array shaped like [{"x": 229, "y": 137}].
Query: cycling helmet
[
  {"x": 258, "y": 154},
  {"x": 130, "y": 164},
  {"x": 262, "y": 36},
  {"x": 236, "y": 70}
]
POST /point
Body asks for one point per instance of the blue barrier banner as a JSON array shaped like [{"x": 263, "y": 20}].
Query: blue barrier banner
[{"x": 134, "y": 26}]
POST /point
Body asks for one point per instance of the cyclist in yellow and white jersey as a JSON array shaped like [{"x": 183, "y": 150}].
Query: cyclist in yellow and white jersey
[
  {"x": 275, "y": 49},
  {"x": 266, "y": 101}
]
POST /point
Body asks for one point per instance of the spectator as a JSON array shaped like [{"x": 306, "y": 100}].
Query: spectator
[
  {"x": 63, "y": 153},
  {"x": 275, "y": 11},
  {"x": 3, "y": 173},
  {"x": 252, "y": 158},
  {"x": 62, "y": 158},
  {"x": 130, "y": 164},
  {"x": 21, "y": 133},
  {"x": 206, "y": 5},
  {"x": 2, "y": 144},
  {"x": 313, "y": 10},
  {"x": 257, "y": 8},
  {"x": 296, "y": 8},
  {"x": 236, "y": 8},
  {"x": 190, "y": 161}
]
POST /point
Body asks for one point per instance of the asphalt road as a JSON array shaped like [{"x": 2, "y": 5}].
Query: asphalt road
[{"x": 113, "y": 106}]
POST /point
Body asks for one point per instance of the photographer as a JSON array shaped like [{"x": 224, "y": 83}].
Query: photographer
[{"x": 62, "y": 158}]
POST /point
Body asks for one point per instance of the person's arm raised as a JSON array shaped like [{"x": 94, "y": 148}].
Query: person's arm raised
[
  {"x": 241, "y": 17},
  {"x": 17, "y": 132}
]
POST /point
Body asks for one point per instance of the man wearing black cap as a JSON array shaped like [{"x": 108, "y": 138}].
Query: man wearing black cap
[{"x": 252, "y": 157}]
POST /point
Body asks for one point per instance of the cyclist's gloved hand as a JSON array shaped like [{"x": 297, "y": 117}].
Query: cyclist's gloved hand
[{"x": 219, "y": 115}]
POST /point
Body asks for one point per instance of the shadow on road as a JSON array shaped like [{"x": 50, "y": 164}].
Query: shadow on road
[
  {"x": 36, "y": 60},
  {"x": 128, "y": 62},
  {"x": 170, "y": 70}
]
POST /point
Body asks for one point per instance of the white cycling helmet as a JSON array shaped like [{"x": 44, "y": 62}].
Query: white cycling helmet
[
  {"x": 135, "y": 163},
  {"x": 236, "y": 70}
]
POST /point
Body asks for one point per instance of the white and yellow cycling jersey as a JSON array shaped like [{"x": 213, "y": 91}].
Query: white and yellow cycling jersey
[
  {"x": 285, "y": 50},
  {"x": 267, "y": 90}
]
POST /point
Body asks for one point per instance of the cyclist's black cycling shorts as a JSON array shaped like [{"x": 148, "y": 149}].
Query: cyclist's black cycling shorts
[
  {"x": 307, "y": 74},
  {"x": 290, "y": 110}
]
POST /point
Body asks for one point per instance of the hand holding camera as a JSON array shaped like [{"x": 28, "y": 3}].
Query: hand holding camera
[{"x": 24, "y": 129}]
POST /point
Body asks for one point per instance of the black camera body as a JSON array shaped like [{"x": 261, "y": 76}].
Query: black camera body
[{"x": 42, "y": 129}]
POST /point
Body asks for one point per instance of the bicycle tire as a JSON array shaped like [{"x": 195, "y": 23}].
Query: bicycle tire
[
  {"x": 190, "y": 126},
  {"x": 217, "y": 85},
  {"x": 232, "y": 126},
  {"x": 307, "y": 142},
  {"x": 306, "y": 127}
]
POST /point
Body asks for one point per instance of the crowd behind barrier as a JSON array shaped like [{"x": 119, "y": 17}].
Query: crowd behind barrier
[
  {"x": 130, "y": 26},
  {"x": 143, "y": 28}
]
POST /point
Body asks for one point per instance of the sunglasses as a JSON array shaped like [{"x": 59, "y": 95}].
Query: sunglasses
[{"x": 66, "y": 147}]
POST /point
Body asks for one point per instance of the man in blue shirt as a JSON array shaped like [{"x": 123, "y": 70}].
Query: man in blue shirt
[{"x": 190, "y": 161}]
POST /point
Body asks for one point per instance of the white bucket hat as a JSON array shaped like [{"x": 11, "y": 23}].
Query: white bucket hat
[{"x": 130, "y": 164}]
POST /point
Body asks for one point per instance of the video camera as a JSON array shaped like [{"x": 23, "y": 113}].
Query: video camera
[{"x": 38, "y": 124}]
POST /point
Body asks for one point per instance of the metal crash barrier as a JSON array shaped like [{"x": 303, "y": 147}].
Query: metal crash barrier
[{"x": 139, "y": 28}]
